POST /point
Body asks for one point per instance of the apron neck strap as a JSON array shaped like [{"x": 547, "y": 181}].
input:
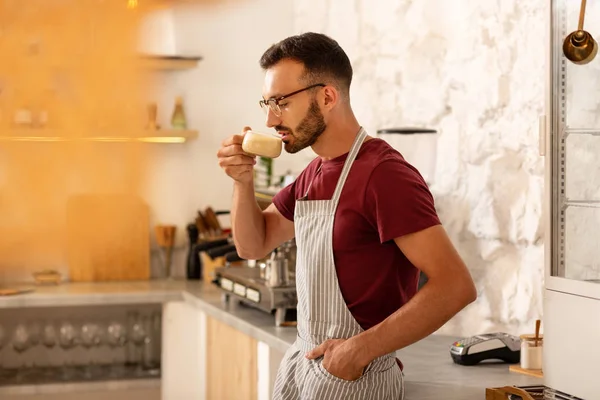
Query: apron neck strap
[{"x": 358, "y": 141}]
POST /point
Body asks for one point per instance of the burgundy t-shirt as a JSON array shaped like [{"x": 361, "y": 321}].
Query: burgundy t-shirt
[{"x": 384, "y": 197}]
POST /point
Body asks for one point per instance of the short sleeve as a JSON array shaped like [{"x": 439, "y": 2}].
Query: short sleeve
[
  {"x": 398, "y": 201},
  {"x": 285, "y": 200}
]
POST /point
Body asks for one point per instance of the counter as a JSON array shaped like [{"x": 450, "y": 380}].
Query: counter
[{"x": 429, "y": 370}]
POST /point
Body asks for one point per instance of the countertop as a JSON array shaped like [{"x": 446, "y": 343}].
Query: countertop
[
  {"x": 429, "y": 370},
  {"x": 98, "y": 293}
]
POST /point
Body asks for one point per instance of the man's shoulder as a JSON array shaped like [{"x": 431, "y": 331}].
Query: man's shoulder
[
  {"x": 386, "y": 165},
  {"x": 378, "y": 153}
]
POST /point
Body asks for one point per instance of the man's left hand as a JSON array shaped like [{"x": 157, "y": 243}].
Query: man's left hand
[{"x": 339, "y": 358}]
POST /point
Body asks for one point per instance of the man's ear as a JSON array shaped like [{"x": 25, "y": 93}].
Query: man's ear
[{"x": 331, "y": 97}]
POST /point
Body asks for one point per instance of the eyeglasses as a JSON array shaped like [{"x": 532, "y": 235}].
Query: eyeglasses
[{"x": 274, "y": 103}]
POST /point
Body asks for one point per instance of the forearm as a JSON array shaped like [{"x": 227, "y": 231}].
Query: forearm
[
  {"x": 247, "y": 222},
  {"x": 426, "y": 312}
]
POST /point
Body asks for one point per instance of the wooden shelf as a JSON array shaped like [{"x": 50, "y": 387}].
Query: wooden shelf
[
  {"x": 169, "y": 63},
  {"x": 165, "y": 136}
]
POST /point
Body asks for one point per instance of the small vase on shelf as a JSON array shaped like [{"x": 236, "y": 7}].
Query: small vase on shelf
[{"x": 178, "y": 120}]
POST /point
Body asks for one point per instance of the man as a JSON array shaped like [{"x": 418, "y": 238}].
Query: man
[{"x": 364, "y": 223}]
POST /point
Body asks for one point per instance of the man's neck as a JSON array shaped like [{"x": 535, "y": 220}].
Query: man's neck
[{"x": 337, "y": 139}]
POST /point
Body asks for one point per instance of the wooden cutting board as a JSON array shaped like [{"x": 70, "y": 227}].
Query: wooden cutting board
[
  {"x": 538, "y": 373},
  {"x": 108, "y": 238}
]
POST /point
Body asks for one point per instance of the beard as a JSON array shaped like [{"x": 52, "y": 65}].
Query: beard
[{"x": 308, "y": 130}]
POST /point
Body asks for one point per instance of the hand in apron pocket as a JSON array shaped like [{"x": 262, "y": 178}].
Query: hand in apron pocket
[{"x": 337, "y": 357}]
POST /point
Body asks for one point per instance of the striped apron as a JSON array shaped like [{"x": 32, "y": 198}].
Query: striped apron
[{"x": 323, "y": 314}]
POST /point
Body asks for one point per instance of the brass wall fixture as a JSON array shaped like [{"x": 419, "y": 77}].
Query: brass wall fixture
[{"x": 579, "y": 46}]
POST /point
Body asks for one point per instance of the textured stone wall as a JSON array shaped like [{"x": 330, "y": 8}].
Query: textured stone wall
[{"x": 475, "y": 72}]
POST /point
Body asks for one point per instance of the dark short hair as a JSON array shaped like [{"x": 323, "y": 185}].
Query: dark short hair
[{"x": 323, "y": 58}]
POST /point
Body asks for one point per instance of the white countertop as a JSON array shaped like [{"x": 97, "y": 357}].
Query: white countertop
[
  {"x": 429, "y": 370},
  {"x": 98, "y": 293}
]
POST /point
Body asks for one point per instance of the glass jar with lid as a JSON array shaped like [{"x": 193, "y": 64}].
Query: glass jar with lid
[{"x": 531, "y": 351}]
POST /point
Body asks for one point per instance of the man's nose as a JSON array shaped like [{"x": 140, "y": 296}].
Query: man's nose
[{"x": 272, "y": 119}]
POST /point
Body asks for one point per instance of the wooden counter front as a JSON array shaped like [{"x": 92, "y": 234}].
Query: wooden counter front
[{"x": 231, "y": 363}]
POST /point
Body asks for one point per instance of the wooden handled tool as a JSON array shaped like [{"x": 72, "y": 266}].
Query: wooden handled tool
[{"x": 165, "y": 237}]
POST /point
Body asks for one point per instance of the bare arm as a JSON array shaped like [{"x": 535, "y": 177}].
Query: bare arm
[
  {"x": 255, "y": 232},
  {"x": 448, "y": 290}
]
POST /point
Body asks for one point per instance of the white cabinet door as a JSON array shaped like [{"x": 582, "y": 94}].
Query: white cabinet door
[{"x": 183, "y": 352}]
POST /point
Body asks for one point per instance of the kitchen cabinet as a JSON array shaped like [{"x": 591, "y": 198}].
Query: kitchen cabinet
[
  {"x": 212, "y": 348},
  {"x": 570, "y": 141},
  {"x": 183, "y": 352},
  {"x": 231, "y": 363},
  {"x": 205, "y": 357}
]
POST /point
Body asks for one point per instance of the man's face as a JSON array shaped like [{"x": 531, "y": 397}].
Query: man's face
[{"x": 301, "y": 121}]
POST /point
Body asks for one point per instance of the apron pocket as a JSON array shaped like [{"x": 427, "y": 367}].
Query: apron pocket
[
  {"x": 329, "y": 375},
  {"x": 379, "y": 385}
]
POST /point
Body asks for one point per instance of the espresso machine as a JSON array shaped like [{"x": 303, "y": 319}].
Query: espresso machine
[{"x": 268, "y": 284}]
